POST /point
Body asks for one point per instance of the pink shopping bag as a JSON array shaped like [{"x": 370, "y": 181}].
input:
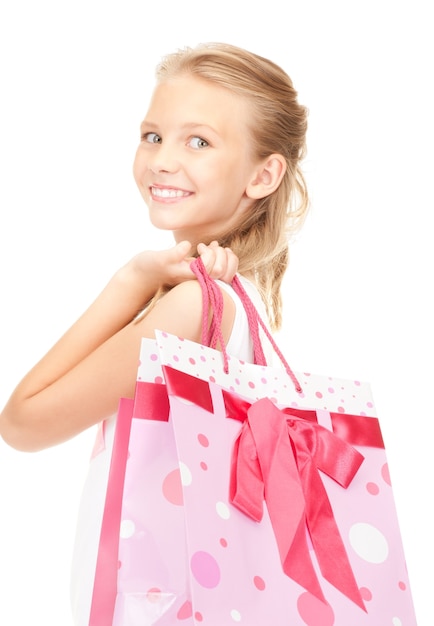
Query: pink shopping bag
[
  {"x": 140, "y": 575},
  {"x": 289, "y": 508},
  {"x": 257, "y": 497}
]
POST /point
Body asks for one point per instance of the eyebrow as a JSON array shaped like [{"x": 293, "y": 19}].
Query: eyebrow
[
  {"x": 200, "y": 125},
  {"x": 187, "y": 126}
]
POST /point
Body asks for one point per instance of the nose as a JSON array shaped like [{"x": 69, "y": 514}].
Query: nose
[{"x": 164, "y": 159}]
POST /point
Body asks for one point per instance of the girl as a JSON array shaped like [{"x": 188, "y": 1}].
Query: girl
[{"x": 218, "y": 161}]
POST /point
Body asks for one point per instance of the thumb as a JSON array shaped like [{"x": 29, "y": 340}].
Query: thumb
[{"x": 182, "y": 249}]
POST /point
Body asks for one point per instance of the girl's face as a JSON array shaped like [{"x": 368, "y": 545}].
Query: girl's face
[{"x": 194, "y": 161}]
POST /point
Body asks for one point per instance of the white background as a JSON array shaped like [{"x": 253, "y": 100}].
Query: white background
[{"x": 75, "y": 79}]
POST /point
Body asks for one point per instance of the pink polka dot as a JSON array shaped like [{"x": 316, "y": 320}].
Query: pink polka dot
[
  {"x": 259, "y": 583},
  {"x": 192, "y": 361},
  {"x": 172, "y": 488},
  {"x": 370, "y": 405},
  {"x": 175, "y": 357},
  {"x": 314, "y": 612},
  {"x": 158, "y": 380},
  {"x": 198, "y": 617},
  {"x": 318, "y": 394},
  {"x": 372, "y": 488},
  {"x": 264, "y": 380},
  {"x": 223, "y": 542},
  {"x": 153, "y": 594},
  {"x": 203, "y": 466},
  {"x": 366, "y": 593},
  {"x": 237, "y": 382},
  {"x": 251, "y": 384},
  {"x": 357, "y": 382},
  {"x": 185, "y": 611},
  {"x": 385, "y": 474},
  {"x": 341, "y": 409},
  {"x": 402, "y": 585},
  {"x": 330, "y": 390},
  {"x": 205, "y": 569},
  {"x": 154, "y": 357},
  {"x": 202, "y": 358},
  {"x": 212, "y": 379},
  {"x": 203, "y": 440}
]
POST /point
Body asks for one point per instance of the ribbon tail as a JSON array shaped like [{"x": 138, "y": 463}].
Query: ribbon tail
[
  {"x": 298, "y": 564},
  {"x": 326, "y": 539},
  {"x": 283, "y": 493},
  {"x": 246, "y": 490}
]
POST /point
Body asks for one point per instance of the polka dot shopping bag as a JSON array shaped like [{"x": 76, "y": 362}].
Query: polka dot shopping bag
[{"x": 245, "y": 494}]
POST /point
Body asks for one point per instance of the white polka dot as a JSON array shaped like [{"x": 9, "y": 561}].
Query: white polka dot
[
  {"x": 369, "y": 543},
  {"x": 223, "y": 510},
  {"x": 127, "y": 528},
  {"x": 236, "y": 615},
  {"x": 185, "y": 472},
  {"x": 396, "y": 621}
]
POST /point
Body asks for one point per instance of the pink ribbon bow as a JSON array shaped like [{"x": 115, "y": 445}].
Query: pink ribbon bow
[{"x": 276, "y": 458}]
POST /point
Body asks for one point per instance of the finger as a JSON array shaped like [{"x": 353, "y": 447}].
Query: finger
[
  {"x": 182, "y": 250},
  {"x": 231, "y": 266},
  {"x": 220, "y": 263},
  {"x": 208, "y": 256}
]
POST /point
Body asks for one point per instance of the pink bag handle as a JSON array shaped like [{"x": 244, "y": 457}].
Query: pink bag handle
[{"x": 212, "y": 301}]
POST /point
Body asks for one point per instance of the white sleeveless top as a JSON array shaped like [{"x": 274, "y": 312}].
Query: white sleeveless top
[
  {"x": 91, "y": 509},
  {"x": 240, "y": 343}
]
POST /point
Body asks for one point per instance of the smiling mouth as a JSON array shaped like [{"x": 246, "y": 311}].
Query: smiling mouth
[{"x": 167, "y": 192}]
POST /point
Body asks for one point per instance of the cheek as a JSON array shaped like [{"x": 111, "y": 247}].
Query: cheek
[{"x": 139, "y": 166}]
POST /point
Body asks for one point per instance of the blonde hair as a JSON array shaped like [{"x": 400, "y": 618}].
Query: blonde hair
[{"x": 278, "y": 125}]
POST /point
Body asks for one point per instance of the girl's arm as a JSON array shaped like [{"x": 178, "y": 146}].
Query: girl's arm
[{"x": 80, "y": 380}]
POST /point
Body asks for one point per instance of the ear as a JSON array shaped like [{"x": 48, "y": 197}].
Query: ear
[{"x": 267, "y": 177}]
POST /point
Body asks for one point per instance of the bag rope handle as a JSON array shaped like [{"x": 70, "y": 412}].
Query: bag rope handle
[{"x": 212, "y": 301}]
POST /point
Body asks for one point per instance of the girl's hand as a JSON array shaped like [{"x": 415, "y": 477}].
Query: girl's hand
[
  {"x": 220, "y": 263},
  {"x": 172, "y": 266}
]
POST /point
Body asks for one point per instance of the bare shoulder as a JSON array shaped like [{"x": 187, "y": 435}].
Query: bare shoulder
[{"x": 180, "y": 312}]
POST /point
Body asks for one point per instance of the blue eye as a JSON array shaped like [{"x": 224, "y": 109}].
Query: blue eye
[
  {"x": 198, "y": 143},
  {"x": 151, "y": 138}
]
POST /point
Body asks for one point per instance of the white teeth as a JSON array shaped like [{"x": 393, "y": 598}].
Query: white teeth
[{"x": 168, "y": 193}]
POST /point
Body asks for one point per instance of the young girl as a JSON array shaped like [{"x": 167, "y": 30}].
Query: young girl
[{"x": 218, "y": 164}]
